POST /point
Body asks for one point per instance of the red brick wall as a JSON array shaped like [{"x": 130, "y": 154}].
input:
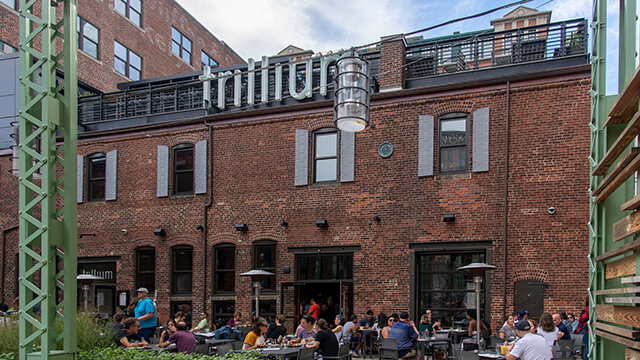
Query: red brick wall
[{"x": 152, "y": 41}]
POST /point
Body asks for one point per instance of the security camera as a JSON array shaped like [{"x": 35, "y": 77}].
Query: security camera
[
  {"x": 124, "y": 231},
  {"x": 551, "y": 210}
]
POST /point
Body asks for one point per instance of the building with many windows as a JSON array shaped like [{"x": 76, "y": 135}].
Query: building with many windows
[{"x": 477, "y": 151}]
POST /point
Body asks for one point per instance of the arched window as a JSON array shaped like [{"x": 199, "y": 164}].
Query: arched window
[
  {"x": 96, "y": 175},
  {"x": 453, "y": 143},
  {"x": 146, "y": 268},
  {"x": 181, "y": 269},
  {"x": 183, "y": 169},
  {"x": 224, "y": 269},
  {"x": 264, "y": 258}
]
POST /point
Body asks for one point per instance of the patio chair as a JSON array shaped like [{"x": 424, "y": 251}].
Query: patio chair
[
  {"x": 343, "y": 354},
  {"x": 563, "y": 349},
  {"x": 236, "y": 345},
  {"x": 200, "y": 349},
  {"x": 578, "y": 346},
  {"x": 388, "y": 349},
  {"x": 467, "y": 355},
  {"x": 306, "y": 354},
  {"x": 223, "y": 349}
]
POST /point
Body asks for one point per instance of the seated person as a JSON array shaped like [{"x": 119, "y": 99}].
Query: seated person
[
  {"x": 404, "y": 331},
  {"x": 473, "y": 325},
  {"x": 256, "y": 337},
  {"x": 276, "y": 330},
  {"x": 507, "y": 330},
  {"x": 306, "y": 328},
  {"x": 367, "y": 321},
  {"x": 325, "y": 340},
  {"x": 236, "y": 319},
  {"x": 390, "y": 321},
  {"x": 203, "y": 324},
  {"x": 183, "y": 339},
  {"x": 171, "y": 329},
  {"x": 128, "y": 337},
  {"x": 427, "y": 324},
  {"x": 116, "y": 325}
]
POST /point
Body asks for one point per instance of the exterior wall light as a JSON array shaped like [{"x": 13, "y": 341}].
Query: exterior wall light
[
  {"x": 352, "y": 95},
  {"x": 242, "y": 227}
]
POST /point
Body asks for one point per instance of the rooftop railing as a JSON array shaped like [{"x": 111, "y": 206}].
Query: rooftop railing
[{"x": 491, "y": 49}]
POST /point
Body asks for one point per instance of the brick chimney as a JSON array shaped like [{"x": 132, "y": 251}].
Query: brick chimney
[{"x": 393, "y": 52}]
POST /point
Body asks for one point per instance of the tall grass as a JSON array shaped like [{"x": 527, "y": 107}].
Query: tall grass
[{"x": 90, "y": 336}]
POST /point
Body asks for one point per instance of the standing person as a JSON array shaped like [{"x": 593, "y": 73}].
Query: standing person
[
  {"x": 145, "y": 312},
  {"x": 314, "y": 309},
  {"x": 507, "y": 330},
  {"x": 325, "y": 340},
  {"x": 547, "y": 329},
  {"x": 583, "y": 328},
  {"x": 404, "y": 331},
  {"x": 529, "y": 347},
  {"x": 128, "y": 336},
  {"x": 203, "y": 324},
  {"x": 276, "y": 330},
  {"x": 183, "y": 339}
]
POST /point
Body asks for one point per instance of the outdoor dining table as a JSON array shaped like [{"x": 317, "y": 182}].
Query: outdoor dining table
[
  {"x": 367, "y": 336},
  {"x": 491, "y": 355},
  {"x": 281, "y": 352}
]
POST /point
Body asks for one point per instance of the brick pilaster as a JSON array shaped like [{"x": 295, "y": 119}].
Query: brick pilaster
[{"x": 393, "y": 51}]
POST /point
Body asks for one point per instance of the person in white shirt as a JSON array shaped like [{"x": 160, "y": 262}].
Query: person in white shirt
[{"x": 530, "y": 346}]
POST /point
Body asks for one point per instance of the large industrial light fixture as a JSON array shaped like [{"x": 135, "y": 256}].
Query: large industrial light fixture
[{"x": 351, "y": 106}]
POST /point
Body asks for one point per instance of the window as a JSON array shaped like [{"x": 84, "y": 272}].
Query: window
[
  {"x": 453, "y": 144},
  {"x": 126, "y": 62},
  {"x": 325, "y": 155},
  {"x": 207, "y": 60},
  {"x": 224, "y": 269},
  {"x": 183, "y": 169},
  {"x": 180, "y": 45},
  {"x": 325, "y": 267},
  {"x": 11, "y": 3},
  {"x": 88, "y": 36},
  {"x": 264, "y": 258},
  {"x": 6, "y": 48},
  {"x": 146, "y": 268},
  {"x": 96, "y": 177},
  {"x": 132, "y": 9},
  {"x": 223, "y": 310},
  {"x": 267, "y": 309},
  {"x": 182, "y": 269},
  {"x": 184, "y": 306},
  {"x": 449, "y": 293}
]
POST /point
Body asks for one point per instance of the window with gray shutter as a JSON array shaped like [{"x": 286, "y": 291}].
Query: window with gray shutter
[
  {"x": 201, "y": 167},
  {"x": 162, "y": 181},
  {"x": 302, "y": 157},
  {"x": 111, "y": 178},
  {"x": 425, "y": 145},
  {"x": 481, "y": 140},
  {"x": 347, "y": 156},
  {"x": 80, "y": 178}
]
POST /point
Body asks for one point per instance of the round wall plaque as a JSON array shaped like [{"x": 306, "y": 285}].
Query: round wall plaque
[{"x": 385, "y": 149}]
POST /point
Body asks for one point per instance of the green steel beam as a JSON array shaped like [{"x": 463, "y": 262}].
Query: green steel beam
[
  {"x": 603, "y": 216},
  {"x": 47, "y": 179}
]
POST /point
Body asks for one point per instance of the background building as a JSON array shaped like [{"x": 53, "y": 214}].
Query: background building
[{"x": 477, "y": 151}]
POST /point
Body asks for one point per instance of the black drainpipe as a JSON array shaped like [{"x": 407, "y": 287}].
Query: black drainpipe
[
  {"x": 506, "y": 207},
  {"x": 204, "y": 221}
]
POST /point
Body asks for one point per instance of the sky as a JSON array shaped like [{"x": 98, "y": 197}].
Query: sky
[{"x": 254, "y": 28}]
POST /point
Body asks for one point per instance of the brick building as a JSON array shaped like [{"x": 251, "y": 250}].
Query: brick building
[{"x": 477, "y": 151}]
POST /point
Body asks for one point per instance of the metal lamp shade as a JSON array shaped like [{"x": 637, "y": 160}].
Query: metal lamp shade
[
  {"x": 351, "y": 106},
  {"x": 257, "y": 275}
]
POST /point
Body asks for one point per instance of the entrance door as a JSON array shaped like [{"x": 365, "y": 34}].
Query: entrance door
[
  {"x": 105, "y": 300},
  {"x": 327, "y": 295}
]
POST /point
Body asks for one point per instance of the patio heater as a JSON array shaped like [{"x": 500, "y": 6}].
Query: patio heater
[
  {"x": 478, "y": 270},
  {"x": 85, "y": 280},
  {"x": 256, "y": 277}
]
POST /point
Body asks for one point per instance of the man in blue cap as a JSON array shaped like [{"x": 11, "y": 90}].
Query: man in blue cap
[
  {"x": 522, "y": 315},
  {"x": 530, "y": 346}
]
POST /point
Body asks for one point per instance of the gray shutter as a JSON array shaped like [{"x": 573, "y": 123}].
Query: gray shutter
[
  {"x": 302, "y": 157},
  {"x": 111, "y": 176},
  {"x": 201, "y": 167},
  {"x": 163, "y": 172},
  {"x": 80, "y": 178},
  {"x": 347, "y": 156},
  {"x": 425, "y": 145},
  {"x": 481, "y": 140}
]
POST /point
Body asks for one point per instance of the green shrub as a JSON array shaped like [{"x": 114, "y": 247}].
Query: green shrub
[{"x": 114, "y": 352}]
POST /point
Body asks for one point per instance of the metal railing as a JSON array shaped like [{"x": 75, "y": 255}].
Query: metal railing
[{"x": 491, "y": 49}]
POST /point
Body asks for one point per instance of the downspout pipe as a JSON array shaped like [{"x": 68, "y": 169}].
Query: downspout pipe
[
  {"x": 506, "y": 205},
  {"x": 205, "y": 209},
  {"x": 2, "y": 256}
]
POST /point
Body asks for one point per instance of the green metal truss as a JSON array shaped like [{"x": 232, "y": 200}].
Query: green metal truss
[
  {"x": 603, "y": 215},
  {"x": 47, "y": 180}
]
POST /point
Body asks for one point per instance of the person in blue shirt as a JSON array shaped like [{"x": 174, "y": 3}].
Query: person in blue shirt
[
  {"x": 367, "y": 321},
  {"x": 145, "y": 312},
  {"x": 404, "y": 331}
]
